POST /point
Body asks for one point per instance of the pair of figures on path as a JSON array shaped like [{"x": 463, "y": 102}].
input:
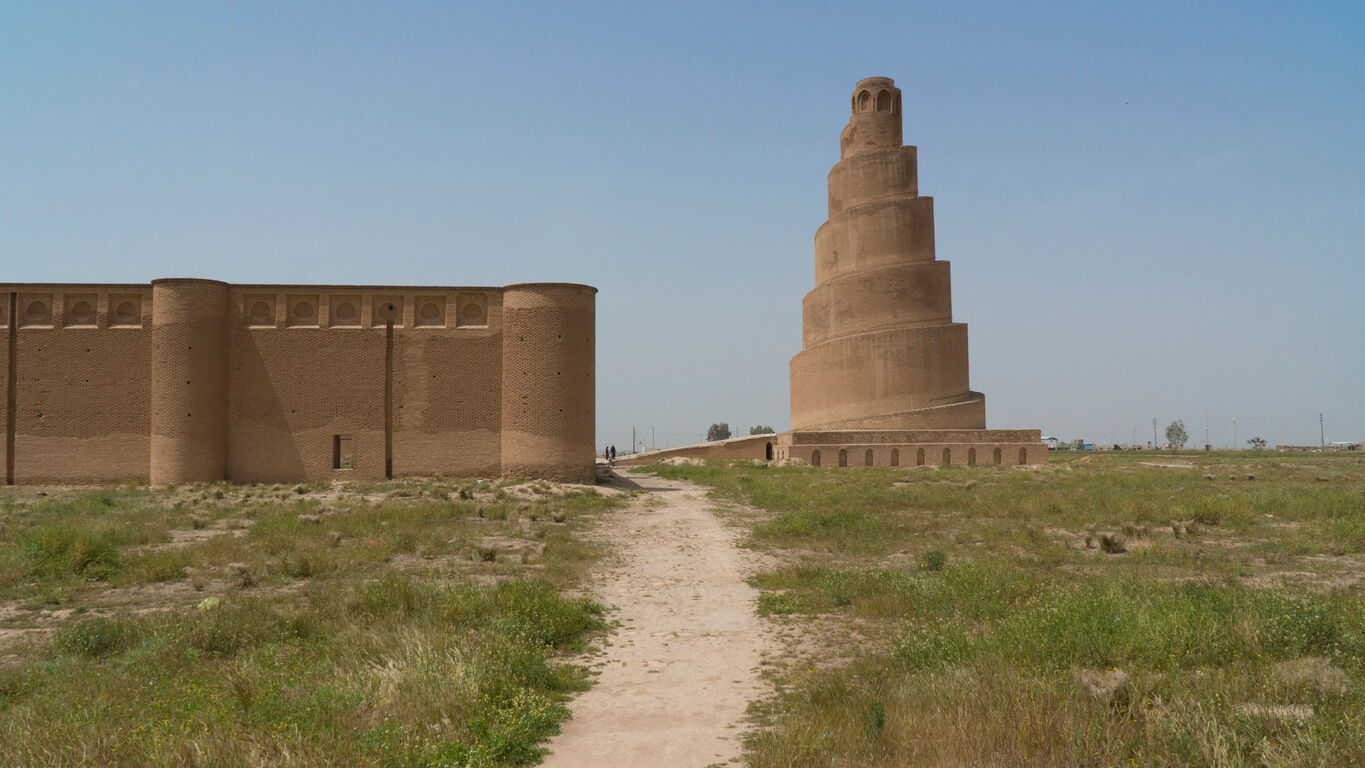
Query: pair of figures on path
[{"x": 609, "y": 453}]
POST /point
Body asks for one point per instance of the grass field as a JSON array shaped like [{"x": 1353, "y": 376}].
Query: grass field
[
  {"x": 396, "y": 624},
  {"x": 1105, "y": 609}
]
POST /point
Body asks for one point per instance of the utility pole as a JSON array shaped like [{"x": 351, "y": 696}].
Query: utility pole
[
  {"x": 1234, "y": 435},
  {"x": 1206, "y": 430},
  {"x": 1133, "y": 444},
  {"x": 652, "y": 445},
  {"x": 1321, "y": 434},
  {"x": 1155, "y": 442},
  {"x": 632, "y": 438}
]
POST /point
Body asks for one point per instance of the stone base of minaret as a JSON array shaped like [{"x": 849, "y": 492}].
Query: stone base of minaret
[{"x": 913, "y": 447}]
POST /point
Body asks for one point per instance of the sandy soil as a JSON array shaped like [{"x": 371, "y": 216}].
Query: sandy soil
[{"x": 680, "y": 672}]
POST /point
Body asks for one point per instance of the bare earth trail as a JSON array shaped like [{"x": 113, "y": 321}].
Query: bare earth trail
[{"x": 682, "y": 668}]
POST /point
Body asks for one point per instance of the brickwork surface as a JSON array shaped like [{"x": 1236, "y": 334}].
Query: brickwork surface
[
  {"x": 912, "y": 436},
  {"x": 82, "y": 394},
  {"x": 880, "y": 348},
  {"x": 190, "y": 380},
  {"x": 983, "y": 449},
  {"x": 82, "y": 405},
  {"x": 548, "y": 411}
]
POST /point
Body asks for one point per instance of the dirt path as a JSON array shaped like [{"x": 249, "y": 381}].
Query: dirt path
[{"x": 683, "y": 667}]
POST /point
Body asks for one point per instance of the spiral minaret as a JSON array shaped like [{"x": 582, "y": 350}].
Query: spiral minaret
[{"x": 880, "y": 348}]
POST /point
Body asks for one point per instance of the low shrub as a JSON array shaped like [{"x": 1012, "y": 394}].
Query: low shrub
[
  {"x": 533, "y": 611},
  {"x": 933, "y": 560},
  {"x": 98, "y": 637},
  {"x": 230, "y": 627},
  {"x": 57, "y": 550},
  {"x": 1113, "y": 543}
]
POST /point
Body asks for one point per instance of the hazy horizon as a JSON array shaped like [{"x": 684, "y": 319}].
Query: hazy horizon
[{"x": 1151, "y": 212}]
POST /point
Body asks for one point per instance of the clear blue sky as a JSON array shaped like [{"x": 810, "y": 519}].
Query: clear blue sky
[{"x": 1152, "y": 212}]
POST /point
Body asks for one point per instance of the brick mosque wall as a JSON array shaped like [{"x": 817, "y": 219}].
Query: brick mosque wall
[
  {"x": 547, "y": 363},
  {"x": 196, "y": 380},
  {"x": 445, "y": 389},
  {"x": 81, "y": 361}
]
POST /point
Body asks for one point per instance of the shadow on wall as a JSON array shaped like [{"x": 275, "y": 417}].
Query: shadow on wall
[{"x": 261, "y": 447}]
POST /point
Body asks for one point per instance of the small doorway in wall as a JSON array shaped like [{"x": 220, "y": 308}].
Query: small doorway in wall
[
  {"x": 815, "y": 458},
  {"x": 867, "y": 458},
  {"x": 947, "y": 457},
  {"x": 843, "y": 457},
  {"x": 997, "y": 456},
  {"x": 1023, "y": 456},
  {"x": 895, "y": 457},
  {"x": 971, "y": 457},
  {"x": 343, "y": 451},
  {"x": 919, "y": 457},
  {"x": 769, "y": 451}
]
